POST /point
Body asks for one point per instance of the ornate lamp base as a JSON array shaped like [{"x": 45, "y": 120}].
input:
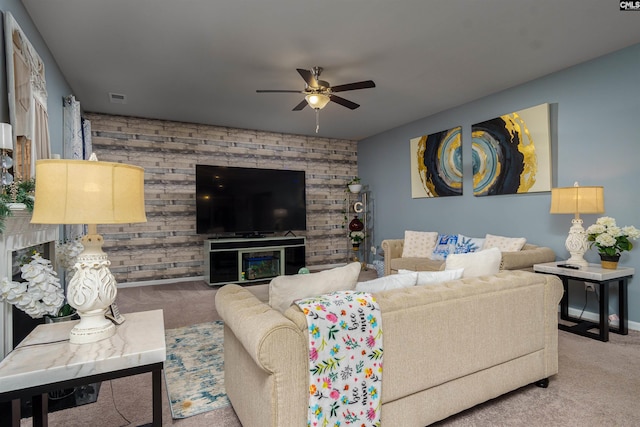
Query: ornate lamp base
[
  {"x": 91, "y": 291},
  {"x": 577, "y": 244},
  {"x": 93, "y": 327}
]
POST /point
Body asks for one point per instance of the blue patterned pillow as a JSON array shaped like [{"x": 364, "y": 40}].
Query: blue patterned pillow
[
  {"x": 445, "y": 245},
  {"x": 465, "y": 244}
]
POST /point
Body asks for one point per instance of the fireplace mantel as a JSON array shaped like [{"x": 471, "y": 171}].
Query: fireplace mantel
[{"x": 18, "y": 234}]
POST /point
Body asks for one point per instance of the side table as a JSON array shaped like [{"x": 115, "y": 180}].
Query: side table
[
  {"x": 46, "y": 361},
  {"x": 593, "y": 273}
]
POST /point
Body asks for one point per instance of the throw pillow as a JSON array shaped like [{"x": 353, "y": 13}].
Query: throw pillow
[
  {"x": 505, "y": 244},
  {"x": 445, "y": 245},
  {"x": 465, "y": 244},
  {"x": 418, "y": 244},
  {"x": 433, "y": 277},
  {"x": 482, "y": 263},
  {"x": 283, "y": 290},
  {"x": 393, "y": 281}
]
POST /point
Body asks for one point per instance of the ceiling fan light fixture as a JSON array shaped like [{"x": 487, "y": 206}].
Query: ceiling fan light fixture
[{"x": 317, "y": 101}]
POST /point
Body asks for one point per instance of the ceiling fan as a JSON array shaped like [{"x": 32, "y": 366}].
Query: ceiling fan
[{"x": 318, "y": 92}]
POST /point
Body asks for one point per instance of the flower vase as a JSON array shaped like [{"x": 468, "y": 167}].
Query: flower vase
[
  {"x": 609, "y": 262},
  {"x": 356, "y": 224}
]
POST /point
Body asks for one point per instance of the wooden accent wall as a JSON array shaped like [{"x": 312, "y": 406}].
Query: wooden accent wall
[{"x": 167, "y": 246}]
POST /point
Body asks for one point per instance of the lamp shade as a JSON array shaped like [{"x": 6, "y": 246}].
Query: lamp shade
[
  {"x": 317, "y": 100},
  {"x": 577, "y": 200},
  {"x": 88, "y": 192},
  {"x": 6, "y": 141}
]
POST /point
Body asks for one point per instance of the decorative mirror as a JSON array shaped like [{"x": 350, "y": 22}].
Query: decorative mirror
[{"x": 27, "y": 92}]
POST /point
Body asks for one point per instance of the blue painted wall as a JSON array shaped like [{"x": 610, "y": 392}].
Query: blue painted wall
[
  {"x": 57, "y": 86},
  {"x": 595, "y": 117}
]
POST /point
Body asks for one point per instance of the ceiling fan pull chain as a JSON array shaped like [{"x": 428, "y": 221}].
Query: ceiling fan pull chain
[{"x": 317, "y": 120}]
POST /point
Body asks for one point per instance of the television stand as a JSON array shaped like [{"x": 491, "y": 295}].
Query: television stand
[{"x": 252, "y": 259}]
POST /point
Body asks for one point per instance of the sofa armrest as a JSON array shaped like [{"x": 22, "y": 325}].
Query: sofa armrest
[
  {"x": 261, "y": 329},
  {"x": 524, "y": 259},
  {"x": 392, "y": 249}
]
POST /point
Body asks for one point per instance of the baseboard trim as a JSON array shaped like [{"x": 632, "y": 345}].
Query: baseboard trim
[
  {"x": 159, "y": 282},
  {"x": 595, "y": 317}
]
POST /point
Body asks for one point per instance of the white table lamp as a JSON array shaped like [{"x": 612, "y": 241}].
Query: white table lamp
[
  {"x": 89, "y": 192},
  {"x": 577, "y": 200}
]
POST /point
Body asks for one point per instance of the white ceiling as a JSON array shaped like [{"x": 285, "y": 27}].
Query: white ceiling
[{"x": 201, "y": 61}]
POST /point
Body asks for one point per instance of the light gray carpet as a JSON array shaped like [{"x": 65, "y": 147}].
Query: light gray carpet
[{"x": 598, "y": 383}]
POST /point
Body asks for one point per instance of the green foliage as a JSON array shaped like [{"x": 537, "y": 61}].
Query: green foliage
[{"x": 16, "y": 192}]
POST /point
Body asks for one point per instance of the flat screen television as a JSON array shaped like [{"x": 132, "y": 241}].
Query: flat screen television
[{"x": 249, "y": 201}]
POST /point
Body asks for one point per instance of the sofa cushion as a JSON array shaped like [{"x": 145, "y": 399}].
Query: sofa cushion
[
  {"x": 465, "y": 244},
  {"x": 416, "y": 264},
  {"x": 283, "y": 290},
  {"x": 394, "y": 281},
  {"x": 482, "y": 263},
  {"x": 505, "y": 244},
  {"x": 433, "y": 277},
  {"x": 445, "y": 245},
  {"x": 418, "y": 244}
]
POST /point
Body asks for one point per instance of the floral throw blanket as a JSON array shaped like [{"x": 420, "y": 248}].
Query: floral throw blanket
[{"x": 345, "y": 359}]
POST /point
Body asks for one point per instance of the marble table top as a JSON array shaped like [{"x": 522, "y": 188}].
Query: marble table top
[
  {"x": 46, "y": 355},
  {"x": 591, "y": 272}
]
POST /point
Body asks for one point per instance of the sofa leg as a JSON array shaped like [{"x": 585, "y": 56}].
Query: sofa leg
[{"x": 543, "y": 383}]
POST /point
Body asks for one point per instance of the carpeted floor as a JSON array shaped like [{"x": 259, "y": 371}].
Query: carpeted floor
[{"x": 598, "y": 383}]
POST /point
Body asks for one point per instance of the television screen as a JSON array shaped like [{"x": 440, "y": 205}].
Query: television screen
[{"x": 249, "y": 201}]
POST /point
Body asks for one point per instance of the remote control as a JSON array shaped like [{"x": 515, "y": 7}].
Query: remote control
[{"x": 572, "y": 267}]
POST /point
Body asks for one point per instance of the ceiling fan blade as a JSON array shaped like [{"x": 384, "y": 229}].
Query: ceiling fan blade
[
  {"x": 308, "y": 77},
  {"x": 354, "y": 86},
  {"x": 278, "y": 91},
  {"x": 300, "y": 106},
  {"x": 344, "y": 102}
]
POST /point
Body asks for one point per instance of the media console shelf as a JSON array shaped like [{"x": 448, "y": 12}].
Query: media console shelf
[{"x": 249, "y": 260}]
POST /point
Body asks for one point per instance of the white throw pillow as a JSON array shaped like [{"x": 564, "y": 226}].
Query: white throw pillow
[
  {"x": 393, "y": 281},
  {"x": 482, "y": 263},
  {"x": 505, "y": 244},
  {"x": 433, "y": 277},
  {"x": 283, "y": 290},
  {"x": 419, "y": 244}
]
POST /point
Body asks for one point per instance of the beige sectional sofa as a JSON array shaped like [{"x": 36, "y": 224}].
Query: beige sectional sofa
[
  {"x": 479, "y": 338},
  {"x": 520, "y": 260}
]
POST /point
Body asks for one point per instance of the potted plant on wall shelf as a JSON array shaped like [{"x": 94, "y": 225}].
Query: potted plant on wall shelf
[
  {"x": 356, "y": 238},
  {"x": 354, "y": 185},
  {"x": 611, "y": 240}
]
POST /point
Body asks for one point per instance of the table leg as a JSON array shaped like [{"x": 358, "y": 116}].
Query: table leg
[
  {"x": 622, "y": 307},
  {"x": 604, "y": 311},
  {"x": 16, "y": 407},
  {"x": 156, "y": 379},
  {"x": 40, "y": 404},
  {"x": 564, "y": 302}
]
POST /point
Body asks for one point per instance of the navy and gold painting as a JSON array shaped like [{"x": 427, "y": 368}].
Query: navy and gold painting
[
  {"x": 436, "y": 164},
  {"x": 511, "y": 153}
]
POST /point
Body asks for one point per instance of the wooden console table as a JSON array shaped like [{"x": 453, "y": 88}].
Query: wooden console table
[
  {"x": 593, "y": 273},
  {"x": 46, "y": 361}
]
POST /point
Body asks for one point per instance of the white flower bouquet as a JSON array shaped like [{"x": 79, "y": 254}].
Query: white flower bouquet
[
  {"x": 356, "y": 237},
  {"x": 41, "y": 295},
  {"x": 610, "y": 239}
]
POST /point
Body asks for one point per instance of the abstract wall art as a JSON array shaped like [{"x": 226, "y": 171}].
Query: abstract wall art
[
  {"x": 436, "y": 164},
  {"x": 511, "y": 153}
]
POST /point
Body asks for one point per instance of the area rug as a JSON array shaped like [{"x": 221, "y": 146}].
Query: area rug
[{"x": 194, "y": 371}]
